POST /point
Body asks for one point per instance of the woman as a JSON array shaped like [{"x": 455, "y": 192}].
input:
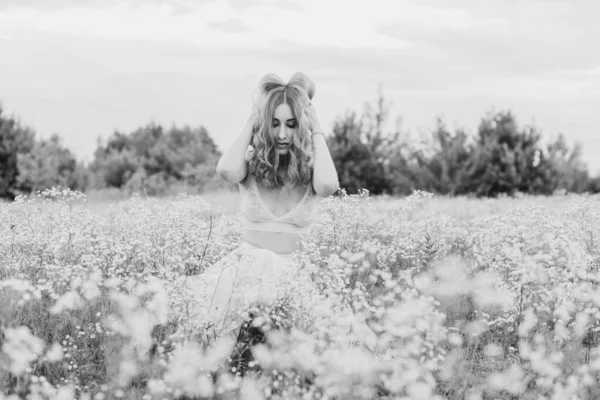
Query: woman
[
  {"x": 288, "y": 163},
  {"x": 282, "y": 165}
]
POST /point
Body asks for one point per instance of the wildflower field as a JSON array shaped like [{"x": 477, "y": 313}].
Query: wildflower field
[{"x": 469, "y": 299}]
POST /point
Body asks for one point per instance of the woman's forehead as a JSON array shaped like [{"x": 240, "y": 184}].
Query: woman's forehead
[{"x": 283, "y": 112}]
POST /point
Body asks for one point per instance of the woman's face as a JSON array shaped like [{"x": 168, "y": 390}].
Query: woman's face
[{"x": 283, "y": 126}]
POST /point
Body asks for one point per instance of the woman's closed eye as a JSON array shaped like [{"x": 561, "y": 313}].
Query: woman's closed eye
[{"x": 290, "y": 123}]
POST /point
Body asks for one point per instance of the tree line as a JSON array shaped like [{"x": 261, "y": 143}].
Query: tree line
[{"x": 501, "y": 157}]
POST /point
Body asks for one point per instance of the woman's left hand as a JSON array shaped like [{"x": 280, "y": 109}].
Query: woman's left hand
[{"x": 313, "y": 119}]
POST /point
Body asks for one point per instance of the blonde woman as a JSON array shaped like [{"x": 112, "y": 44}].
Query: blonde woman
[
  {"x": 283, "y": 168},
  {"x": 287, "y": 169}
]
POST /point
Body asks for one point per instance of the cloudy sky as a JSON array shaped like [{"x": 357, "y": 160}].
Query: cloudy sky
[{"x": 83, "y": 68}]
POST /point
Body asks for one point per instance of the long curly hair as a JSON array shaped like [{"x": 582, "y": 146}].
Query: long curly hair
[{"x": 264, "y": 163}]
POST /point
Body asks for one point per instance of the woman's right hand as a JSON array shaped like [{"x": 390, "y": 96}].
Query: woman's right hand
[{"x": 253, "y": 116}]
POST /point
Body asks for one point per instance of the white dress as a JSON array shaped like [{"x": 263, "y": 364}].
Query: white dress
[
  {"x": 249, "y": 276},
  {"x": 220, "y": 298}
]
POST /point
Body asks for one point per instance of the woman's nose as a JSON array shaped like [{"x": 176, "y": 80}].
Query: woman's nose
[{"x": 282, "y": 133}]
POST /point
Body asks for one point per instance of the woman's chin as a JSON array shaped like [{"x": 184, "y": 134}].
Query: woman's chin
[{"x": 282, "y": 152}]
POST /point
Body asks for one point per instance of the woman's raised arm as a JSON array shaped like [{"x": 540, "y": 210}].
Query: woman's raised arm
[
  {"x": 232, "y": 165},
  {"x": 325, "y": 179}
]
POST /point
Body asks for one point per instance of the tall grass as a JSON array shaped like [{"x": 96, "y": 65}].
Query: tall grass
[{"x": 470, "y": 299}]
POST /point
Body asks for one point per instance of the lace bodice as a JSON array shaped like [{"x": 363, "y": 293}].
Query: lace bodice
[{"x": 257, "y": 215}]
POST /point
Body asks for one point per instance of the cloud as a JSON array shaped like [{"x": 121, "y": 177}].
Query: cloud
[
  {"x": 178, "y": 6},
  {"x": 526, "y": 39},
  {"x": 280, "y": 4},
  {"x": 148, "y": 22},
  {"x": 49, "y": 5},
  {"x": 230, "y": 26},
  {"x": 512, "y": 54},
  {"x": 407, "y": 69},
  {"x": 211, "y": 24}
]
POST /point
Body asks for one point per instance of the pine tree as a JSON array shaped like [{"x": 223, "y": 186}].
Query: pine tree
[
  {"x": 14, "y": 140},
  {"x": 445, "y": 163},
  {"x": 506, "y": 160}
]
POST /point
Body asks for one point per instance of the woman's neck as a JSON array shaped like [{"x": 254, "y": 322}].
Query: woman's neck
[
  {"x": 282, "y": 166},
  {"x": 284, "y": 160}
]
